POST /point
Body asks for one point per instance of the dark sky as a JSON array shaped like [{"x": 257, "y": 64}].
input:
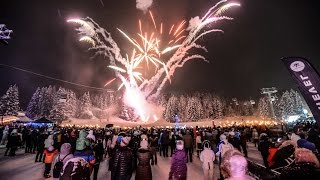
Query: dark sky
[{"x": 242, "y": 60}]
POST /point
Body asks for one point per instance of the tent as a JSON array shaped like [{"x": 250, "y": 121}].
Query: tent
[
  {"x": 23, "y": 119},
  {"x": 43, "y": 120}
]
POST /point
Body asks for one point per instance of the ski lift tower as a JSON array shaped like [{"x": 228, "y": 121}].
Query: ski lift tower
[
  {"x": 269, "y": 92},
  {"x": 4, "y": 34}
]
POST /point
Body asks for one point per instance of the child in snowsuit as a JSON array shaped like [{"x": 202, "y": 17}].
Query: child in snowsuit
[
  {"x": 207, "y": 157},
  {"x": 49, "y": 157}
]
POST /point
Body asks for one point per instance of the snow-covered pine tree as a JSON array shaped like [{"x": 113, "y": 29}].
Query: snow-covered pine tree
[
  {"x": 72, "y": 103},
  {"x": 208, "y": 106},
  {"x": 10, "y": 102},
  {"x": 33, "y": 108},
  {"x": 172, "y": 108},
  {"x": 85, "y": 106},
  {"x": 194, "y": 109},
  {"x": 286, "y": 105},
  {"x": 219, "y": 109},
  {"x": 264, "y": 107},
  {"x": 60, "y": 109},
  {"x": 183, "y": 101},
  {"x": 42, "y": 101},
  {"x": 229, "y": 112}
]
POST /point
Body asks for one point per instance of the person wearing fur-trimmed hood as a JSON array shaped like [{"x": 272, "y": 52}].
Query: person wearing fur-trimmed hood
[{"x": 178, "y": 170}]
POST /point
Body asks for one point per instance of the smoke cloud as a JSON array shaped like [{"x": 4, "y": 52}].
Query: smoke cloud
[{"x": 143, "y": 5}]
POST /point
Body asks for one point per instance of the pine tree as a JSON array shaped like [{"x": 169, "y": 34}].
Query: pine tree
[
  {"x": 286, "y": 105},
  {"x": 264, "y": 107},
  {"x": 172, "y": 108},
  {"x": 219, "y": 113},
  {"x": 194, "y": 109},
  {"x": 71, "y": 103},
  {"x": 33, "y": 108},
  {"x": 208, "y": 106},
  {"x": 60, "y": 109},
  {"x": 183, "y": 101},
  {"x": 10, "y": 102},
  {"x": 85, "y": 106}
]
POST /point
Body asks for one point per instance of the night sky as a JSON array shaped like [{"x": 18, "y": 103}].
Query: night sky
[{"x": 242, "y": 60}]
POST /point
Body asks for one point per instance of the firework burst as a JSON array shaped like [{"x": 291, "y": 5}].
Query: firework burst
[{"x": 149, "y": 47}]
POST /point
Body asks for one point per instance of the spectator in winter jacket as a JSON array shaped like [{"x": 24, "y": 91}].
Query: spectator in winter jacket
[
  {"x": 207, "y": 157},
  {"x": 40, "y": 147},
  {"x": 153, "y": 147},
  {"x": 233, "y": 140},
  {"x": 165, "y": 143},
  {"x": 65, "y": 153},
  {"x": 143, "y": 171},
  {"x": 13, "y": 143},
  {"x": 255, "y": 137},
  {"x": 178, "y": 170},
  {"x": 272, "y": 151},
  {"x": 188, "y": 144},
  {"x": 50, "y": 152},
  {"x": 83, "y": 149},
  {"x": 263, "y": 147},
  {"x": 198, "y": 143},
  {"x": 306, "y": 166},
  {"x": 98, "y": 152},
  {"x": 122, "y": 163},
  {"x": 172, "y": 143},
  {"x": 222, "y": 147}
]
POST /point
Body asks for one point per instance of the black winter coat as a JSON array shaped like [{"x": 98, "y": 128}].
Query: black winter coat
[
  {"x": 300, "y": 171},
  {"x": 143, "y": 171},
  {"x": 122, "y": 162}
]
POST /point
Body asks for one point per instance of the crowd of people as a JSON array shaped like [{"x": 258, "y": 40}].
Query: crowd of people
[{"x": 73, "y": 153}]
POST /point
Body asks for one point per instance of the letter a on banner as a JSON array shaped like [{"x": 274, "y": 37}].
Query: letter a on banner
[{"x": 308, "y": 81}]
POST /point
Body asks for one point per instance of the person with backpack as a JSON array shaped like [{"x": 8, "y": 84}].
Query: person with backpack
[
  {"x": 84, "y": 150},
  {"x": 64, "y": 155},
  {"x": 75, "y": 169},
  {"x": 49, "y": 156},
  {"x": 222, "y": 147}
]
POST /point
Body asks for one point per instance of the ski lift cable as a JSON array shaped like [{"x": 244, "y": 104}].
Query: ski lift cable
[{"x": 49, "y": 77}]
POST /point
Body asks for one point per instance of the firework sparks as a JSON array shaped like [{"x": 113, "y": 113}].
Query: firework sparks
[{"x": 149, "y": 48}]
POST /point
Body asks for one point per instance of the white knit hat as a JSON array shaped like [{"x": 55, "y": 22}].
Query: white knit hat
[
  {"x": 51, "y": 148},
  {"x": 144, "y": 144},
  {"x": 180, "y": 145},
  {"x": 144, "y": 137}
]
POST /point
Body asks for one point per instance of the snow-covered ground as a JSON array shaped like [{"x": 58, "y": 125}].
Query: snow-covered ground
[
  {"x": 22, "y": 166},
  {"x": 162, "y": 123}
]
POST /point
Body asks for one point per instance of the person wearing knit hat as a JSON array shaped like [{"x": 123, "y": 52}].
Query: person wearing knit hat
[
  {"x": 64, "y": 155},
  {"x": 222, "y": 148},
  {"x": 122, "y": 167},
  {"x": 178, "y": 168},
  {"x": 143, "y": 170},
  {"x": 309, "y": 145},
  {"x": 144, "y": 144}
]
